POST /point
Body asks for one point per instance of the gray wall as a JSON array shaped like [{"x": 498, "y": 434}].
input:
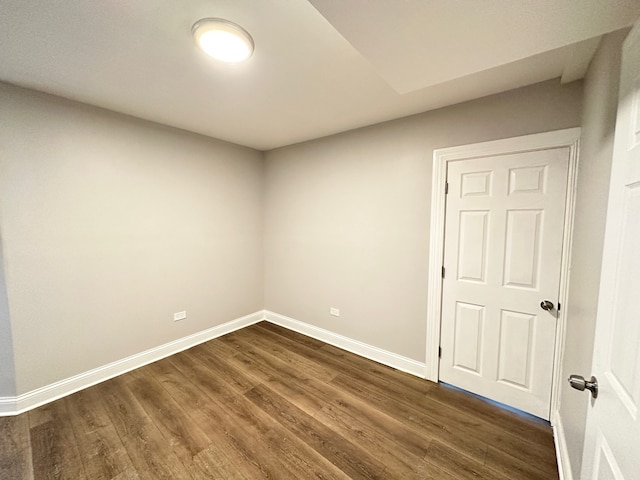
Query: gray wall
[
  {"x": 109, "y": 225},
  {"x": 347, "y": 216},
  {"x": 598, "y": 124}
]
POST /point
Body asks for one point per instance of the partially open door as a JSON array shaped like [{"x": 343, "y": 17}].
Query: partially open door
[{"x": 612, "y": 443}]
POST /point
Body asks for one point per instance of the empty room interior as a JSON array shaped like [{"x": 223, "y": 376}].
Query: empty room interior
[{"x": 376, "y": 246}]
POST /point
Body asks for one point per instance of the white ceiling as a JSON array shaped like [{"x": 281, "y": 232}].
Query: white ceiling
[{"x": 320, "y": 66}]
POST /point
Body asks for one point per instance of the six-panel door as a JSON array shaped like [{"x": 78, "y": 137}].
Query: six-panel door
[{"x": 503, "y": 247}]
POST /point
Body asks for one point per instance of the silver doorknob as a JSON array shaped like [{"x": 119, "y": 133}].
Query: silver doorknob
[
  {"x": 579, "y": 383},
  {"x": 546, "y": 305}
]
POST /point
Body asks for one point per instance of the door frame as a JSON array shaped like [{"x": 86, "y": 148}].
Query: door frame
[{"x": 540, "y": 141}]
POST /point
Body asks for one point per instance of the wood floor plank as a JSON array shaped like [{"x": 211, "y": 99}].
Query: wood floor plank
[
  {"x": 15, "y": 448},
  {"x": 149, "y": 451},
  {"x": 414, "y": 417},
  {"x": 269, "y": 403},
  {"x": 353, "y": 460},
  {"x": 175, "y": 425},
  {"x": 285, "y": 333},
  {"x": 296, "y": 386},
  {"x": 203, "y": 377},
  {"x": 354, "y": 413},
  {"x": 255, "y": 431},
  {"x": 101, "y": 450},
  {"x": 302, "y": 460},
  {"x": 53, "y": 444},
  {"x": 518, "y": 424},
  {"x": 336, "y": 398},
  {"x": 220, "y": 348},
  {"x": 460, "y": 466},
  {"x": 242, "y": 423},
  {"x": 231, "y": 453},
  {"x": 221, "y": 422},
  {"x": 348, "y": 363},
  {"x": 407, "y": 386},
  {"x": 511, "y": 467},
  {"x": 414, "y": 392},
  {"x": 464, "y": 426},
  {"x": 237, "y": 379},
  {"x": 214, "y": 464},
  {"x": 300, "y": 362},
  {"x": 397, "y": 460},
  {"x": 127, "y": 475},
  {"x": 502, "y": 439}
]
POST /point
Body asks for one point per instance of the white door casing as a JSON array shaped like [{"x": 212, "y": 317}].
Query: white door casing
[
  {"x": 562, "y": 140},
  {"x": 612, "y": 439},
  {"x": 503, "y": 247}
]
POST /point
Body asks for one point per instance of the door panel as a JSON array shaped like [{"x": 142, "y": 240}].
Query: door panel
[
  {"x": 472, "y": 256},
  {"x": 522, "y": 245},
  {"x": 612, "y": 441},
  {"x": 527, "y": 180},
  {"x": 625, "y": 335},
  {"x": 503, "y": 244},
  {"x": 516, "y": 348},
  {"x": 467, "y": 352},
  {"x": 606, "y": 467}
]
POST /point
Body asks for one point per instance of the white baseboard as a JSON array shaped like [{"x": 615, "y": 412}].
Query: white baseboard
[
  {"x": 562, "y": 453},
  {"x": 379, "y": 355},
  {"x": 62, "y": 388}
]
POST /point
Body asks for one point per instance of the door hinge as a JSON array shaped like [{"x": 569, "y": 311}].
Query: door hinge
[
  {"x": 442, "y": 272},
  {"x": 446, "y": 188},
  {"x": 439, "y": 352}
]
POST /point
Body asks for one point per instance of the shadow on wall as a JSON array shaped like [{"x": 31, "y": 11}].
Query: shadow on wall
[{"x": 7, "y": 369}]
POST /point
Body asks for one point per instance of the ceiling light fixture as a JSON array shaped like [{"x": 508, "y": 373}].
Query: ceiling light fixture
[{"x": 223, "y": 40}]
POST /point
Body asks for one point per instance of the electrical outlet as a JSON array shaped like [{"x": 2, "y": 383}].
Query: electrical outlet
[
  {"x": 179, "y": 315},
  {"x": 334, "y": 311}
]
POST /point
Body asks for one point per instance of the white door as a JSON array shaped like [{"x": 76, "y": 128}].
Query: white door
[
  {"x": 503, "y": 248},
  {"x": 612, "y": 443}
]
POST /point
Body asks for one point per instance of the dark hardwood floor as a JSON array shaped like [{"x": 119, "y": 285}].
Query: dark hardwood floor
[{"x": 264, "y": 402}]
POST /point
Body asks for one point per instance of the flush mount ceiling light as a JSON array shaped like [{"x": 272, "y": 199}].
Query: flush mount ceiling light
[{"x": 223, "y": 40}]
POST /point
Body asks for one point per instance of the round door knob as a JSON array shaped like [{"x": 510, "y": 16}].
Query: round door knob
[
  {"x": 579, "y": 383},
  {"x": 546, "y": 305}
]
